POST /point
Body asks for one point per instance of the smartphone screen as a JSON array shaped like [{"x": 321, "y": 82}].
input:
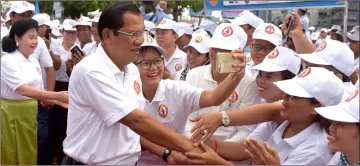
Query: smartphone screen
[{"x": 224, "y": 61}]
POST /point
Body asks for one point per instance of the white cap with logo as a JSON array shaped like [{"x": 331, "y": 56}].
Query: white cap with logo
[
  {"x": 334, "y": 53},
  {"x": 21, "y": 7},
  {"x": 83, "y": 21},
  {"x": 69, "y": 24},
  {"x": 150, "y": 42},
  {"x": 96, "y": 18},
  {"x": 149, "y": 26},
  {"x": 311, "y": 28},
  {"x": 228, "y": 36},
  {"x": 324, "y": 30},
  {"x": 280, "y": 59},
  {"x": 166, "y": 23},
  {"x": 346, "y": 111},
  {"x": 208, "y": 25},
  {"x": 200, "y": 42},
  {"x": 314, "y": 82},
  {"x": 354, "y": 36},
  {"x": 268, "y": 32},
  {"x": 184, "y": 28},
  {"x": 247, "y": 17},
  {"x": 43, "y": 19}
]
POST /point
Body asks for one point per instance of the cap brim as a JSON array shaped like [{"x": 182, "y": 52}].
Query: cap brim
[
  {"x": 23, "y": 11},
  {"x": 268, "y": 67},
  {"x": 223, "y": 44},
  {"x": 336, "y": 113},
  {"x": 199, "y": 48},
  {"x": 69, "y": 29},
  {"x": 263, "y": 37},
  {"x": 353, "y": 37},
  {"x": 313, "y": 58},
  {"x": 161, "y": 50},
  {"x": 292, "y": 87}
]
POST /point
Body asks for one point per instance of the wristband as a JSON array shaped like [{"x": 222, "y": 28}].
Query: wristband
[{"x": 166, "y": 154}]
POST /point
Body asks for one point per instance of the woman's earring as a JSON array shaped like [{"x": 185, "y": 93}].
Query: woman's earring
[{"x": 17, "y": 44}]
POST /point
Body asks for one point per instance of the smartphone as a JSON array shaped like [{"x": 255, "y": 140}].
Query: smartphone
[
  {"x": 289, "y": 25},
  {"x": 74, "y": 49},
  {"x": 224, "y": 61},
  {"x": 47, "y": 33}
]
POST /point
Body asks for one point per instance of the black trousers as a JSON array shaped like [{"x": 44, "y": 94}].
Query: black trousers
[{"x": 58, "y": 124}]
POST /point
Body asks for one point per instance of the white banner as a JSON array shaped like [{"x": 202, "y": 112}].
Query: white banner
[{"x": 250, "y": 2}]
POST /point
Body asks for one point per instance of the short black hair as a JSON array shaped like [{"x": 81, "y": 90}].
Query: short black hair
[
  {"x": 19, "y": 29},
  {"x": 112, "y": 16}
]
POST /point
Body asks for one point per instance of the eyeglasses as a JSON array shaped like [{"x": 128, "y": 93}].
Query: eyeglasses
[
  {"x": 146, "y": 64},
  {"x": 133, "y": 35},
  {"x": 259, "y": 47}
]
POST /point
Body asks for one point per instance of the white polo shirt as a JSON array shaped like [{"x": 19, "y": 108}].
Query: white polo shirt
[
  {"x": 43, "y": 56},
  {"x": 172, "y": 104},
  {"x": 176, "y": 62},
  {"x": 245, "y": 94},
  {"x": 90, "y": 48},
  {"x": 99, "y": 96},
  {"x": 335, "y": 160},
  {"x": 60, "y": 74},
  {"x": 309, "y": 147},
  {"x": 16, "y": 70}
]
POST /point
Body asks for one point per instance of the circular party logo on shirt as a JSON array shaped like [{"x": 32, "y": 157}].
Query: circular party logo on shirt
[
  {"x": 177, "y": 67},
  {"x": 137, "y": 87},
  {"x": 227, "y": 31},
  {"x": 273, "y": 54},
  {"x": 233, "y": 97},
  {"x": 269, "y": 29},
  {"x": 163, "y": 110}
]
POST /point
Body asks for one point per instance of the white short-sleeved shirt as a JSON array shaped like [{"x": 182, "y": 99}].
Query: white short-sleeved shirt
[
  {"x": 176, "y": 62},
  {"x": 309, "y": 147},
  {"x": 245, "y": 94},
  {"x": 90, "y": 48},
  {"x": 172, "y": 104},
  {"x": 43, "y": 56},
  {"x": 16, "y": 70},
  {"x": 249, "y": 71},
  {"x": 60, "y": 74},
  {"x": 178, "y": 74},
  {"x": 99, "y": 96},
  {"x": 335, "y": 160}
]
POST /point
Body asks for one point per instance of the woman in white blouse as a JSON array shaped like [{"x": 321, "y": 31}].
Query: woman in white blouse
[{"x": 21, "y": 87}]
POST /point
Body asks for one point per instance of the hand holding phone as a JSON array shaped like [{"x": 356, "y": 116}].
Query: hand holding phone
[
  {"x": 47, "y": 33},
  {"x": 75, "y": 49},
  {"x": 229, "y": 62},
  {"x": 289, "y": 25}
]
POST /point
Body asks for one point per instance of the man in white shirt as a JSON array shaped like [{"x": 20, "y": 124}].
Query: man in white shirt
[
  {"x": 354, "y": 44},
  {"x": 227, "y": 37},
  {"x": 265, "y": 38},
  {"x": 322, "y": 37},
  {"x": 90, "y": 48},
  {"x": 167, "y": 33},
  {"x": 83, "y": 31},
  {"x": 106, "y": 98}
]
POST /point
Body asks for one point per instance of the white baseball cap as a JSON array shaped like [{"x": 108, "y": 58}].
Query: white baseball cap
[
  {"x": 55, "y": 23},
  {"x": 43, "y": 19},
  {"x": 96, "y": 18},
  {"x": 69, "y": 24},
  {"x": 324, "y": 30},
  {"x": 228, "y": 36},
  {"x": 354, "y": 36},
  {"x": 200, "y": 42},
  {"x": 166, "y": 23},
  {"x": 150, "y": 42},
  {"x": 311, "y": 28},
  {"x": 247, "y": 17},
  {"x": 208, "y": 25},
  {"x": 84, "y": 21},
  {"x": 314, "y": 82},
  {"x": 334, "y": 53},
  {"x": 21, "y": 7},
  {"x": 268, "y": 32},
  {"x": 314, "y": 36},
  {"x": 184, "y": 28},
  {"x": 149, "y": 26},
  {"x": 280, "y": 59},
  {"x": 336, "y": 27},
  {"x": 55, "y": 31},
  {"x": 346, "y": 111},
  {"x": 354, "y": 29}
]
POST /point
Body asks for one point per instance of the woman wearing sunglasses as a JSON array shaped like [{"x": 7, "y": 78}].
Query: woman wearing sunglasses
[
  {"x": 171, "y": 101},
  {"x": 197, "y": 54},
  {"x": 299, "y": 140}
]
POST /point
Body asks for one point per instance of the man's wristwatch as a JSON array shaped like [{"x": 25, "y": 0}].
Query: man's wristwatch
[
  {"x": 166, "y": 154},
  {"x": 225, "y": 119}
]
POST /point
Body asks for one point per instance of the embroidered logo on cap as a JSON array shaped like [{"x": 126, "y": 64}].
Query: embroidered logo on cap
[
  {"x": 163, "y": 21},
  {"x": 98, "y": 15},
  {"x": 148, "y": 39},
  {"x": 177, "y": 67},
  {"x": 198, "y": 39},
  {"x": 322, "y": 47},
  {"x": 233, "y": 97},
  {"x": 227, "y": 31},
  {"x": 137, "y": 87},
  {"x": 24, "y": 3},
  {"x": 304, "y": 73},
  {"x": 273, "y": 54},
  {"x": 351, "y": 97},
  {"x": 269, "y": 29},
  {"x": 71, "y": 22},
  {"x": 163, "y": 110}
]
